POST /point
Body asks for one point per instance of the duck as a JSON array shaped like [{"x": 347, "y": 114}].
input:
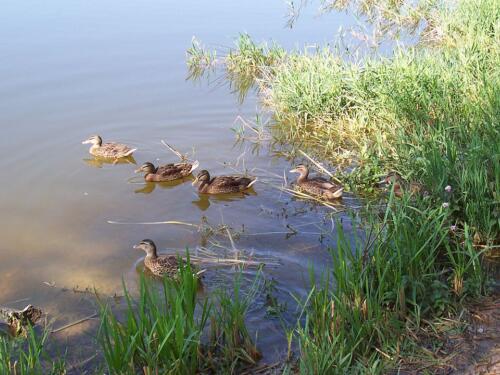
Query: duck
[
  {"x": 109, "y": 150},
  {"x": 159, "y": 265},
  {"x": 166, "y": 172},
  {"x": 396, "y": 182},
  {"x": 222, "y": 184},
  {"x": 317, "y": 186}
]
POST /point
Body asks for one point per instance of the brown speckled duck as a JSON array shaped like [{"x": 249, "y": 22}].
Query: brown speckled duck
[
  {"x": 222, "y": 184},
  {"x": 110, "y": 150},
  {"x": 158, "y": 265},
  {"x": 167, "y": 172},
  {"x": 316, "y": 186},
  {"x": 394, "y": 181}
]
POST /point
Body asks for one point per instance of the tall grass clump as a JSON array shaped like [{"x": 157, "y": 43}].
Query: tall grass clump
[
  {"x": 160, "y": 332},
  {"x": 429, "y": 111},
  {"x": 27, "y": 355},
  {"x": 401, "y": 273},
  {"x": 230, "y": 343},
  {"x": 172, "y": 331}
]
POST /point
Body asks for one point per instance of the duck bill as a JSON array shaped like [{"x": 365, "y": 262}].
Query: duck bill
[
  {"x": 135, "y": 247},
  {"x": 293, "y": 171},
  {"x": 138, "y": 170},
  {"x": 194, "y": 182},
  {"x": 86, "y": 142}
]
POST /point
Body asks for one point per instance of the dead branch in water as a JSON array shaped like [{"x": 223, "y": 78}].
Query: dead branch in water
[
  {"x": 182, "y": 157},
  {"x": 74, "y": 323},
  {"x": 173, "y": 222},
  {"x": 208, "y": 257}
]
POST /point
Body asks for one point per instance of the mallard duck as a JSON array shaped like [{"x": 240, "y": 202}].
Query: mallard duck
[
  {"x": 400, "y": 186},
  {"x": 316, "y": 186},
  {"x": 222, "y": 184},
  {"x": 108, "y": 150},
  {"x": 159, "y": 265},
  {"x": 167, "y": 172}
]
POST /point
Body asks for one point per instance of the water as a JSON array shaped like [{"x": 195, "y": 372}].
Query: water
[{"x": 117, "y": 68}]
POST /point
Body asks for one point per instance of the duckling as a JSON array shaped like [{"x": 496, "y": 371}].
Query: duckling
[
  {"x": 108, "y": 150},
  {"x": 317, "y": 185},
  {"x": 222, "y": 184},
  {"x": 399, "y": 185},
  {"x": 167, "y": 172},
  {"x": 159, "y": 265}
]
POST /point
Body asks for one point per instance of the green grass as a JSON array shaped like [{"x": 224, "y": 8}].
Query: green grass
[
  {"x": 429, "y": 112},
  {"x": 159, "y": 333},
  {"x": 404, "y": 271},
  {"x": 27, "y": 355},
  {"x": 171, "y": 331}
]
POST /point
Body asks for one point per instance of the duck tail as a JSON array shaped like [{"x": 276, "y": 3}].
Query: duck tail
[
  {"x": 195, "y": 165},
  {"x": 252, "y": 182},
  {"x": 335, "y": 194},
  {"x": 128, "y": 153}
]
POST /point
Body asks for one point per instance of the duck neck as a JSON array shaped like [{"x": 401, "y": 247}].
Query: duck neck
[
  {"x": 94, "y": 147},
  {"x": 151, "y": 171},
  {"x": 151, "y": 254},
  {"x": 303, "y": 176},
  {"x": 203, "y": 185}
]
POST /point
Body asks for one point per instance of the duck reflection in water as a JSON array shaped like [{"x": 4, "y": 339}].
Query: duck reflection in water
[
  {"x": 99, "y": 162},
  {"x": 203, "y": 201},
  {"x": 149, "y": 187}
]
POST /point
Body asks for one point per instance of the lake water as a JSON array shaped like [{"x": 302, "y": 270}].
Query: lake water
[{"x": 70, "y": 69}]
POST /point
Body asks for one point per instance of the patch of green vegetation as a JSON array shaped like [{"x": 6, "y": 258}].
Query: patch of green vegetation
[
  {"x": 402, "y": 271},
  {"x": 165, "y": 331},
  {"x": 27, "y": 355},
  {"x": 429, "y": 113}
]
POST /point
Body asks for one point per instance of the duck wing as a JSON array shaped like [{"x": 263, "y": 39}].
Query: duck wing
[
  {"x": 175, "y": 171},
  {"x": 321, "y": 187},
  {"x": 114, "y": 150},
  {"x": 324, "y": 184},
  {"x": 230, "y": 184},
  {"x": 168, "y": 261},
  {"x": 162, "y": 265}
]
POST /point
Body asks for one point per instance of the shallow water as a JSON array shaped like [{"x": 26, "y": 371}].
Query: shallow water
[{"x": 117, "y": 68}]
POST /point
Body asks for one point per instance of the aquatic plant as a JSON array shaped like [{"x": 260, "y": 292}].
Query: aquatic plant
[
  {"x": 160, "y": 331},
  {"x": 163, "y": 331},
  {"x": 27, "y": 355}
]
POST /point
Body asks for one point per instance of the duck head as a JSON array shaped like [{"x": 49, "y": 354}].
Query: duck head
[
  {"x": 147, "y": 168},
  {"x": 203, "y": 177},
  {"x": 302, "y": 170},
  {"x": 96, "y": 140},
  {"x": 148, "y": 246},
  {"x": 393, "y": 178}
]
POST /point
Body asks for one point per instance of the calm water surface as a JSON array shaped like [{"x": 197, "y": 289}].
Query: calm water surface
[{"x": 70, "y": 69}]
